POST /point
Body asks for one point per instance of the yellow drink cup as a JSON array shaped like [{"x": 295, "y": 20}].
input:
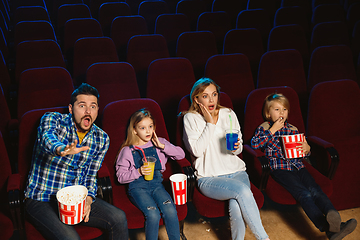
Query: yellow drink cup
[{"x": 150, "y": 163}]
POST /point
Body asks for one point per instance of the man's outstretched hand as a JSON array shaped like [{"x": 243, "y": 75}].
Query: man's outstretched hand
[{"x": 71, "y": 149}]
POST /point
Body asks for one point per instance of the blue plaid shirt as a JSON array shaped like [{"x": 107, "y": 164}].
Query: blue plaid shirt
[
  {"x": 271, "y": 145},
  {"x": 50, "y": 172}
]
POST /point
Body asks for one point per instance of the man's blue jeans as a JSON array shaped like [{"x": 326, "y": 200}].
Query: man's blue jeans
[
  {"x": 308, "y": 193},
  {"x": 45, "y": 217},
  {"x": 235, "y": 187}
]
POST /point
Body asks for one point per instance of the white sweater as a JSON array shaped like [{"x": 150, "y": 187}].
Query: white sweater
[{"x": 207, "y": 144}]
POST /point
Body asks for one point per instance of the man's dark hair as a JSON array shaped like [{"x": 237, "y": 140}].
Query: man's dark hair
[{"x": 85, "y": 89}]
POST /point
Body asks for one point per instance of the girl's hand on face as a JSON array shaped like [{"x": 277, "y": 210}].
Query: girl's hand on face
[
  {"x": 278, "y": 124},
  {"x": 156, "y": 141}
]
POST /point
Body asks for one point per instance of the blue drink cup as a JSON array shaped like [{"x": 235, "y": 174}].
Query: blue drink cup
[{"x": 231, "y": 138}]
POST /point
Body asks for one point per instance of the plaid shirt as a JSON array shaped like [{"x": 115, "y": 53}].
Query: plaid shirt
[
  {"x": 271, "y": 145},
  {"x": 50, "y": 172}
]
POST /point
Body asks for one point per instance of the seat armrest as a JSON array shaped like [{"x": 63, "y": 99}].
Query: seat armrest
[
  {"x": 262, "y": 166},
  {"x": 188, "y": 170},
  {"x": 104, "y": 184},
  {"x": 14, "y": 200},
  {"x": 191, "y": 181},
  {"x": 318, "y": 143}
]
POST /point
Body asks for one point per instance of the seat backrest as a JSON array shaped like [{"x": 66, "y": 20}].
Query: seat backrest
[
  {"x": 197, "y": 47},
  {"x": 219, "y": 23},
  {"x": 5, "y": 115},
  {"x": 353, "y": 14},
  {"x": 114, "y": 81},
  {"x": 3, "y": 45},
  {"x": 91, "y": 50},
  {"x": 5, "y": 80},
  {"x": 70, "y": 11},
  {"x": 329, "y": 33},
  {"x": 329, "y": 63},
  {"x": 247, "y": 41},
  {"x": 31, "y": 13},
  {"x": 292, "y": 15},
  {"x": 27, "y": 137},
  {"x": 342, "y": 96},
  {"x": 282, "y": 68},
  {"x": 20, "y": 3},
  {"x": 232, "y": 72},
  {"x": 171, "y": 26},
  {"x": 95, "y": 5},
  {"x": 176, "y": 77},
  {"x": 254, "y": 107},
  {"x": 150, "y": 10},
  {"x": 141, "y": 51},
  {"x": 33, "y": 30},
  {"x": 37, "y": 54},
  {"x": 255, "y": 18},
  {"x": 347, "y": 3},
  {"x": 55, "y": 6},
  {"x": 134, "y": 6},
  {"x": 79, "y": 28},
  {"x": 230, "y": 7},
  {"x": 328, "y": 12},
  {"x": 192, "y": 9},
  {"x": 109, "y": 11},
  {"x": 269, "y": 5},
  {"x": 299, "y": 3},
  {"x": 123, "y": 28},
  {"x": 44, "y": 88},
  {"x": 355, "y": 41},
  {"x": 289, "y": 37}
]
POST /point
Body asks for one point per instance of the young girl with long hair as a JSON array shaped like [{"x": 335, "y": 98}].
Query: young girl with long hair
[{"x": 149, "y": 196}]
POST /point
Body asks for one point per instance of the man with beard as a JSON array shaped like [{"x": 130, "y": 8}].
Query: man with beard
[{"x": 69, "y": 150}]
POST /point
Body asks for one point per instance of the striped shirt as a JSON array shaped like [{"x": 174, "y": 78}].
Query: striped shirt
[
  {"x": 271, "y": 145},
  {"x": 50, "y": 172}
]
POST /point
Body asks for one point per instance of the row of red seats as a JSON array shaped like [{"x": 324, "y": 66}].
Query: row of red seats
[
  {"x": 340, "y": 143},
  {"x": 120, "y": 80}
]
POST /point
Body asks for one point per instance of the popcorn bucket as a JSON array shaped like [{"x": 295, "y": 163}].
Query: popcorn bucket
[
  {"x": 291, "y": 144},
  {"x": 179, "y": 189},
  {"x": 71, "y": 202}
]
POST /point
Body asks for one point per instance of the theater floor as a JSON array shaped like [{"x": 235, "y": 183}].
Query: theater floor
[{"x": 280, "y": 222}]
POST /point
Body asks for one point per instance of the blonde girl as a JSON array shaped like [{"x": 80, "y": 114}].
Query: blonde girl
[{"x": 149, "y": 196}]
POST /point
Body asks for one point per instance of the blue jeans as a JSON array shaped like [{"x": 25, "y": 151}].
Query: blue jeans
[
  {"x": 243, "y": 209},
  {"x": 154, "y": 201},
  {"x": 44, "y": 216},
  {"x": 308, "y": 193}
]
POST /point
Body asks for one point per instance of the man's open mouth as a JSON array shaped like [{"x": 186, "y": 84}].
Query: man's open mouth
[{"x": 87, "y": 120}]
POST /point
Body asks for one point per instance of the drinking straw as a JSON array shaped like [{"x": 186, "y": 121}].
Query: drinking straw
[
  {"x": 142, "y": 152},
  {"x": 230, "y": 123}
]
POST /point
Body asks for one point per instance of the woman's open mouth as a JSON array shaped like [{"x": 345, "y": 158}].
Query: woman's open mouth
[{"x": 211, "y": 107}]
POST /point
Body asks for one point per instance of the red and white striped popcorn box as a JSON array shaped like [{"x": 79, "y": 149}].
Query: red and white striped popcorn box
[
  {"x": 71, "y": 202},
  {"x": 179, "y": 189},
  {"x": 291, "y": 144}
]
